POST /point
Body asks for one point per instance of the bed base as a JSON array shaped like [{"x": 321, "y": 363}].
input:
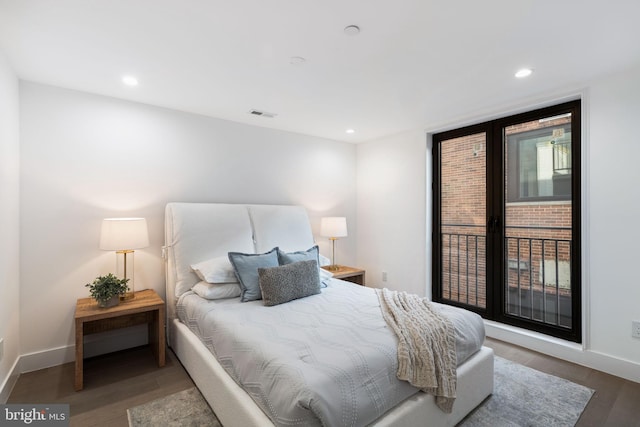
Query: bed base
[{"x": 235, "y": 408}]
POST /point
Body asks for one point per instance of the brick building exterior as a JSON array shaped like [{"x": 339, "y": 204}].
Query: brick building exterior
[{"x": 537, "y": 229}]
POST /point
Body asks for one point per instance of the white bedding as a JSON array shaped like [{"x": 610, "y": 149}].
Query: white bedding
[
  {"x": 326, "y": 359},
  {"x": 196, "y": 232}
]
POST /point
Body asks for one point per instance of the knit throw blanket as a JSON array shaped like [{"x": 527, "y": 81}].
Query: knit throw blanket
[{"x": 426, "y": 344}]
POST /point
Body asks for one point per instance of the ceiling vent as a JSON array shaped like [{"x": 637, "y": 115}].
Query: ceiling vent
[{"x": 262, "y": 113}]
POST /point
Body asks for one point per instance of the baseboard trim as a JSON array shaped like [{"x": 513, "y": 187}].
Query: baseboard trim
[
  {"x": 94, "y": 345},
  {"x": 10, "y": 381},
  {"x": 46, "y": 358},
  {"x": 564, "y": 350}
]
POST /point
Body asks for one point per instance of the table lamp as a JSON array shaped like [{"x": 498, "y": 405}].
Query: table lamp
[
  {"x": 123, "y": 235},
  {"x": 333, "y": 227}
]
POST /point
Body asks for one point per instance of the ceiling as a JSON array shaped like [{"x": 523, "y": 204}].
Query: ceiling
[{"x": 415, "y": 63}]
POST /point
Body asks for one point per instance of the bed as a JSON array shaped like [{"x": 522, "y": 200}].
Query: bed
[{"x": 198, "y": 329}]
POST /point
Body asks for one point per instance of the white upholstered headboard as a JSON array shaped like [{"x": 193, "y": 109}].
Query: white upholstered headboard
[{"x": 196, "y": 232}]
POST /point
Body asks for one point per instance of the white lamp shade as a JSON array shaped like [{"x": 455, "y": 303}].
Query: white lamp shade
[
  {"x": 333, "y": 226},
  {"x": 124, "y": 233}
]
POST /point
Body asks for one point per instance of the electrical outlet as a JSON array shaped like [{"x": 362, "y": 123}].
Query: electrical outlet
[
  {"x": 635, "y": 329},
  {"x": 384, "y": 276}
]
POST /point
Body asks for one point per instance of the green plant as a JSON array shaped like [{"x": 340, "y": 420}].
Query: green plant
[{"x": 104, "y": 288}]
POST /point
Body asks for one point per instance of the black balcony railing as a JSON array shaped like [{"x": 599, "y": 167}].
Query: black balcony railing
[
  {"x": 537, "y": 270},
  {"x": 464, "y": 268}
]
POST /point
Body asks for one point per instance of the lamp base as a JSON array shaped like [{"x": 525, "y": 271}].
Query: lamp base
[
  {"x": 333, "y": 267},
  {"x": 127, "y": 296},
  {"x": 124, "y": 269}
]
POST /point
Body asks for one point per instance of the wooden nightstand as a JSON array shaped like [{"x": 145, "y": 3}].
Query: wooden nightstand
[
  {"x": 350, "y": 274},
  {"x": 146, "y": 307}
]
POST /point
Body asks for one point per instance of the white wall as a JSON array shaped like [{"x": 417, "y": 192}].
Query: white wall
[
  {"x": 9, "y": 225},
  {"x": 611, "y": 207},
  {"x": 391, "y": 211},
  {"x": 614, "y": 207},
  {"x": 87, "y": 157}
]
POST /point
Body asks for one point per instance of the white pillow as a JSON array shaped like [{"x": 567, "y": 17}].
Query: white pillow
[
  {"x": 324, "y": 274},
  {"x": 323, "y": 260},
  {"x": 216, "y": 270},
  {"x": 211, "y": 291}
]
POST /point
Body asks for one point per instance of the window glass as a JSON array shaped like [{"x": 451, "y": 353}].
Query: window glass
[{"x": 542, "y": 160}]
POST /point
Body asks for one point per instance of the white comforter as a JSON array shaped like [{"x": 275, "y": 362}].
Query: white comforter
[{"x": 328, "y": 359}]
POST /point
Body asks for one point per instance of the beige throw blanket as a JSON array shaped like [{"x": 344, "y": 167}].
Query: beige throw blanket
[{"x": 426, "y": 344}]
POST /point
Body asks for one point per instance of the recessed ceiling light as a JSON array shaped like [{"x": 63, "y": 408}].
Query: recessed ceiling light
[
  {"x": 130, "y": 81},
  {"x": 350, "y": 131},
  {"x": 297, "y": 60},
  {"x": 352, "y": 30},
  {"x": 524, "y": 72}
]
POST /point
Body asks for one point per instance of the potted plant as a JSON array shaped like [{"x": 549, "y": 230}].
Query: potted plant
[{"x": 107, "y": 290}]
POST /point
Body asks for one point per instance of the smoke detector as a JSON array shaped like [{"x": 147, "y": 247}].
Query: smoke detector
[{"x": 352, "y": 30}]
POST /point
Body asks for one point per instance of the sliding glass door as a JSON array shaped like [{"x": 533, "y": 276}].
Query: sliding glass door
[{"x": 507, "y": 218}]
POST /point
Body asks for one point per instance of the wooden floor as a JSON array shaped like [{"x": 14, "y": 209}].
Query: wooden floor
[
  {"x": 112, "y": 384},
  {"x": 615, "y": 403},
  {"x": 128, "y": 378}
]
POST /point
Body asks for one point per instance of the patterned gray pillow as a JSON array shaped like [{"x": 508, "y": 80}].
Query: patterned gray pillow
[{"x": 288, "y": 282}]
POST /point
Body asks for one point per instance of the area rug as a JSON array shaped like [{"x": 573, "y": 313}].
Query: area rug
[
  {"x": 185, "y": 408},
  {"x": 525, "y": 397},
  {"x": 521, "y": 397}
]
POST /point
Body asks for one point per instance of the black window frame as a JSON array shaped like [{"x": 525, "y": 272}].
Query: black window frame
[{"x": 496, "y": 205}]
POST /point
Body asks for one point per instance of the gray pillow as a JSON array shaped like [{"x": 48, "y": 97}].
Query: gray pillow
[
  {"x": 310, "y": 254},
  {"x": 288, "y": 258},
  {"x": 246, "y": 268},
  {"x": 288, "y": 282}
]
